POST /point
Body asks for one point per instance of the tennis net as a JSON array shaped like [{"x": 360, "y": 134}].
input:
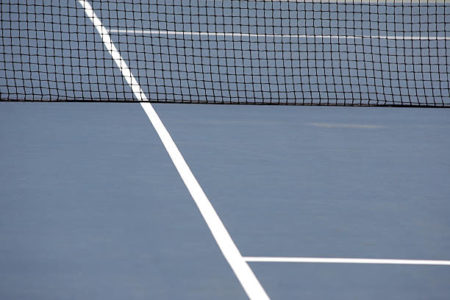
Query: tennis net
[{"x": 292, "y": 52}]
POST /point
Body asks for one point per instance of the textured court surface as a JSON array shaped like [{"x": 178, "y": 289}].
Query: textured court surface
[{"x": 92, "y": 207}]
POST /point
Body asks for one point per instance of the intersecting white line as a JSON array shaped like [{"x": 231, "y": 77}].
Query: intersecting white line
[
  {"x": 231, "y": 253},
  {"x": 347, "y": 260}
]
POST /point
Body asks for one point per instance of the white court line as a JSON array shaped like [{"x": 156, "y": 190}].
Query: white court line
[
  {"x": 348, "y": 260},
  {"x": 240, "y": 267},
  {"x": 289, "y": 36}
]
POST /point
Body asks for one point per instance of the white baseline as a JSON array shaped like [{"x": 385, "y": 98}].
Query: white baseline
[
  {"x": 240, "y": 267},
  {"x": 289, "y": 36}
]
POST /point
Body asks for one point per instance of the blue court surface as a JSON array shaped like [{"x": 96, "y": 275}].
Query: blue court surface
[
  {"x": 92, "y": 207},
  {"x": 103, "y": 201}
]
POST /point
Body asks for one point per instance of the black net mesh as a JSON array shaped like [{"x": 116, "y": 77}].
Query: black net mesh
[{"x": 360, "y": 52}]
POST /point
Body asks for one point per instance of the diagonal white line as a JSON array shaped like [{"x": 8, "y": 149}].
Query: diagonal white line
[
  {"x": 240, "y": 267},
  {"x": 347, "y": 260}
]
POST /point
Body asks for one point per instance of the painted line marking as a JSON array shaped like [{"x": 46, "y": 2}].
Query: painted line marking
[
  {"x": 347, "y": 260},
  {"x": 290, "y": 36},
  {"x": 240, "y": 267}
]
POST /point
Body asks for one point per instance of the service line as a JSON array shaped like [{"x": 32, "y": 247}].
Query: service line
[{"x": 329, "y": 260}]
